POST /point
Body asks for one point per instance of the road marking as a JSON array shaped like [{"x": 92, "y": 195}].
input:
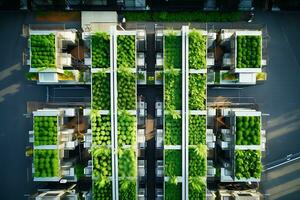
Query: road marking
[{"x": 283, "y": 163}]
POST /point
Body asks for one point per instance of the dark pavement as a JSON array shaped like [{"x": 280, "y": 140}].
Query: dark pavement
[
  {"x": 15, "y": 91},
  {"x": 280, "y": 98}
]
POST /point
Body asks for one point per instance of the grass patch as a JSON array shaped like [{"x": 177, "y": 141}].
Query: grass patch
[{"x": 184, "y": 16}]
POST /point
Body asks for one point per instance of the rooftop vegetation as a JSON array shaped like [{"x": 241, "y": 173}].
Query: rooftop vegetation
[
  {"x": 126, "y": 90},
  {"x": 126, "y": 51},
  {"x": 172, "y": 90},
  {"x": 127, "y": 189},
  {"x": 249, "y": 51},
  {"x": 127, "y": 162},
  {"x": 101, "y": 129},
  {"x": 248, "y": 130},
  {"x": 102, "y": 162},
  {"x": 197, "y": 129},
  {"x": 172, "y": 51},
  {"x": 197, "y": 50},
  {"x": 173, "y": 130},
  {"x": 45, "y": 130},
  {"x": 46, "y": 163},
  {"x": 126, "y": 129},
  {"x": 186, "y": 16},
  {"x": 101, "y": 91},
  {"x": 101, "y": 50},
  {"x": 197, "y": 92},
  {"x": 247, "y": 164},
  {"x": 173, "y": 163},
  {"x": 197, "y": 161},
  {"x": 42, "y": 51},
  {"x": 102, "y": 189},
  {"x": 197, "y": 189},
  {"x": 173, "y": 191}
]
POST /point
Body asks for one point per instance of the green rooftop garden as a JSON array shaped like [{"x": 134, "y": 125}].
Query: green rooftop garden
[
  {"x": 127, "y": 189},
  {"x": 102, "y": 162},
  {"x": 173, "y": 130},
  {"x": 126, "y": 51},
  {"x": 172, "y": 90},
  {"x": 46, "y": 163},
  {"x": 42, "y": 51},
  {"x": 173, "y": 163},
  {"x": 249, "y": 52},
  {"x": 127, "y": 163},
  {"x": 126, "y": 129},
  {"x": 197, "y": 92},
  {"x": 45, "y": 130},
  {"x": 101, "y": 129},
  {"x": 101, "y": 91},
  {"x": 197, "y": 50},
  {"x": 173, "y": 191},
  {"x": 248, "y": 130},
  {"x": 197, "y": 129},
  {"x": 101, "y": 50},
  {"x": 248, "y": 164},
  {"x": 172, "y": 51},
  {"x": 126, "y": 90}
]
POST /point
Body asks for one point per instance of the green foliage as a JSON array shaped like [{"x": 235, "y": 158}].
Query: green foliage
[
  {"x": 126, "y": 90},
  {"x": 173, "y": 128},
  {"x": 197, "y": 189},
  {"x": 101, "y": 129},
  {"x": 197, "y": 161},
  {"x": 173, "y": 90},
  {"x": 100, "y": 50},
  {"x": 102, "y": 162},
  {"x": 46, "y": 163},
  {"x": 45, "y": 130},
  {"x": 248, "y": 130},
  {"x": 102, "y": 189},
  {"x": 249, "y": 51},
  {"x": 42, "y": 51},
  {"x": 197, "y": 50},
  {"x": 173, "y": 163},
  {"x": 172, "y": 51},
  {"x": 247, "y": 164},
  {"x": 127, "y": 189},
  {"x": 173, "y": 191},
  {"x": 197, "y": 129},
  {"x": 186, "y": 16},
  {"x": 126, "y": 51},
  {"x": 101, "y": 91},
  {"x": 197, "y": 92},
  {"x": 127, "y": 163},
  {"x": 126, "y": 129}
]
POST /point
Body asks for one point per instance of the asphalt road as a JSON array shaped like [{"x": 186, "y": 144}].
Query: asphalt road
[
  {"x": 280, "y": 98},
  {"x": 15, "y": 91}
]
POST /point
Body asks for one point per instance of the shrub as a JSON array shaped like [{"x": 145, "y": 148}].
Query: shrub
[
  {"x": 102, "y": 162},
  {"x": 247, "y": 164},
  {"x": 197, "y": 161},
  {"x": 126, "y": 90},
  {"x": 102, "y": 189},
  {"x": 248, "y": 130},
  {"x": 127, "y": 189},
  {"x": 126, "y": 129},
  {"x": 197, "y": 50},
  {"x": 197, "y": 129},
  {"x": 173, "y": 163},
  {"x": 173, "y": 191},
  {"x": 249, "y": 51},
  {"x": 127, "y": 163},
  {"x": 100, "y": 50},
  {"x": 172, "y": 51},
  {"x": 45, "y": 130},
  {"x": 101, "y": 129},
  {"x": 42, "y": 51},
  {"x": 126, "y": 51},
  {"x": 172, "y": 90},
  {"x": 101, "y": 91},
  {"x": 46, "y": 163},
  {"x": 173, "y": 130},
  {"x": 197, "y": 92}
]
